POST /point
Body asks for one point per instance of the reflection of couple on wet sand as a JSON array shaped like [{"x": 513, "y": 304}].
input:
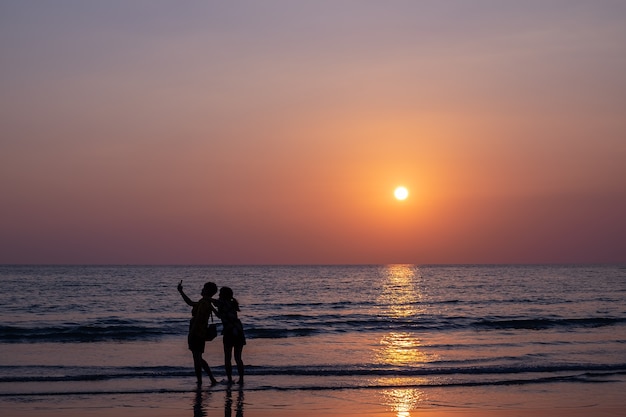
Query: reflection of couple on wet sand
[
  {"x": 200, "y": 410},
  {"x": 225, "y": 308}
]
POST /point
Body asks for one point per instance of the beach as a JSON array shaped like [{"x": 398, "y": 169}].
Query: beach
[{"x": 388, "y": 340}]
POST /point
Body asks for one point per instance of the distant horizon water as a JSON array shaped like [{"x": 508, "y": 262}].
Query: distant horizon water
[{"x": 413, "y": 264}]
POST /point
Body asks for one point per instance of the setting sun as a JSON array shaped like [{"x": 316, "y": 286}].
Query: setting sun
[{"x": 401, "y": 193}]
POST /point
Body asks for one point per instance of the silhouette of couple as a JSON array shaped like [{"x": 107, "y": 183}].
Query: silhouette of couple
[{"x": 225, "y": 308}]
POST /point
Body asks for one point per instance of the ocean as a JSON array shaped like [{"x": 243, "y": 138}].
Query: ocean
[{"x": 405, "y": 336}]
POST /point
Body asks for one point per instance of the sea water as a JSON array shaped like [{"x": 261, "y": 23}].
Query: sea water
[{"x": 410, "y": 334}]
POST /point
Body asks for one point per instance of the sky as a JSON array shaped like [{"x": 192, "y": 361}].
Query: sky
[{"x": 275, "y": 132}]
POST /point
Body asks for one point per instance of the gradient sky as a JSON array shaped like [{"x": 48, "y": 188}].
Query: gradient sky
[{"x": 274, "y": 132}]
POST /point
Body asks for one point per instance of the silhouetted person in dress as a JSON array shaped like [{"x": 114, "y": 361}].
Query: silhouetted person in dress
[
  {"x": 200, "y": 313},
  {"x": 234, "y": 338}
]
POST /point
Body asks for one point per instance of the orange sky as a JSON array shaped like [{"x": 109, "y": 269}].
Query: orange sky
[{"x": 275, "y": 132}]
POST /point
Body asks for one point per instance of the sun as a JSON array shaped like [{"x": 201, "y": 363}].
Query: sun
[{"x": 401, "y": 193}]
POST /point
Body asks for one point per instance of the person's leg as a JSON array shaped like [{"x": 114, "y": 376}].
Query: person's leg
[
  {"x": 228, "y": 352},
  {"x": 197, "y": 365},
  {"x": 239, "y": 360},
  {"x": 207, "y": 369}
]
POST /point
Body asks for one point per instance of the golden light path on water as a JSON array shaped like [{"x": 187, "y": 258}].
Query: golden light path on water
[{"x": 401, "y": 296}]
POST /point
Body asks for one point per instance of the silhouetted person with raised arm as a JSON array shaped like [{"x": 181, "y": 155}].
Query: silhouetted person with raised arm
[
  {"x": 200, "y": 313},
  {"x": 234, "y": 338}
]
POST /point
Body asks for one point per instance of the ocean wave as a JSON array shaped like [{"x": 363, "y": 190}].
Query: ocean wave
[
  {"x": 116, "y": 329},
  {"x": 281, "y": 333},
  {"x": 313, "y": 386},
  {"x": 138, "y": 380},
  {"x": 16, "y": 374},
  {"x": 546, "y": 323}
]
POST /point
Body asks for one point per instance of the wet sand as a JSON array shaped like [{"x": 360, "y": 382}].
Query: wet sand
[{"x": 219, "y": 401}]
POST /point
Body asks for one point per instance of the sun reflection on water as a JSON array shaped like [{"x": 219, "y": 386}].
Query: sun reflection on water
[
  {"x": 403, "y": 400},
  {"x": 401, "y": 349},
  {"x": 400, "y": 295},
  {"x": 400, "y": 299}
]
